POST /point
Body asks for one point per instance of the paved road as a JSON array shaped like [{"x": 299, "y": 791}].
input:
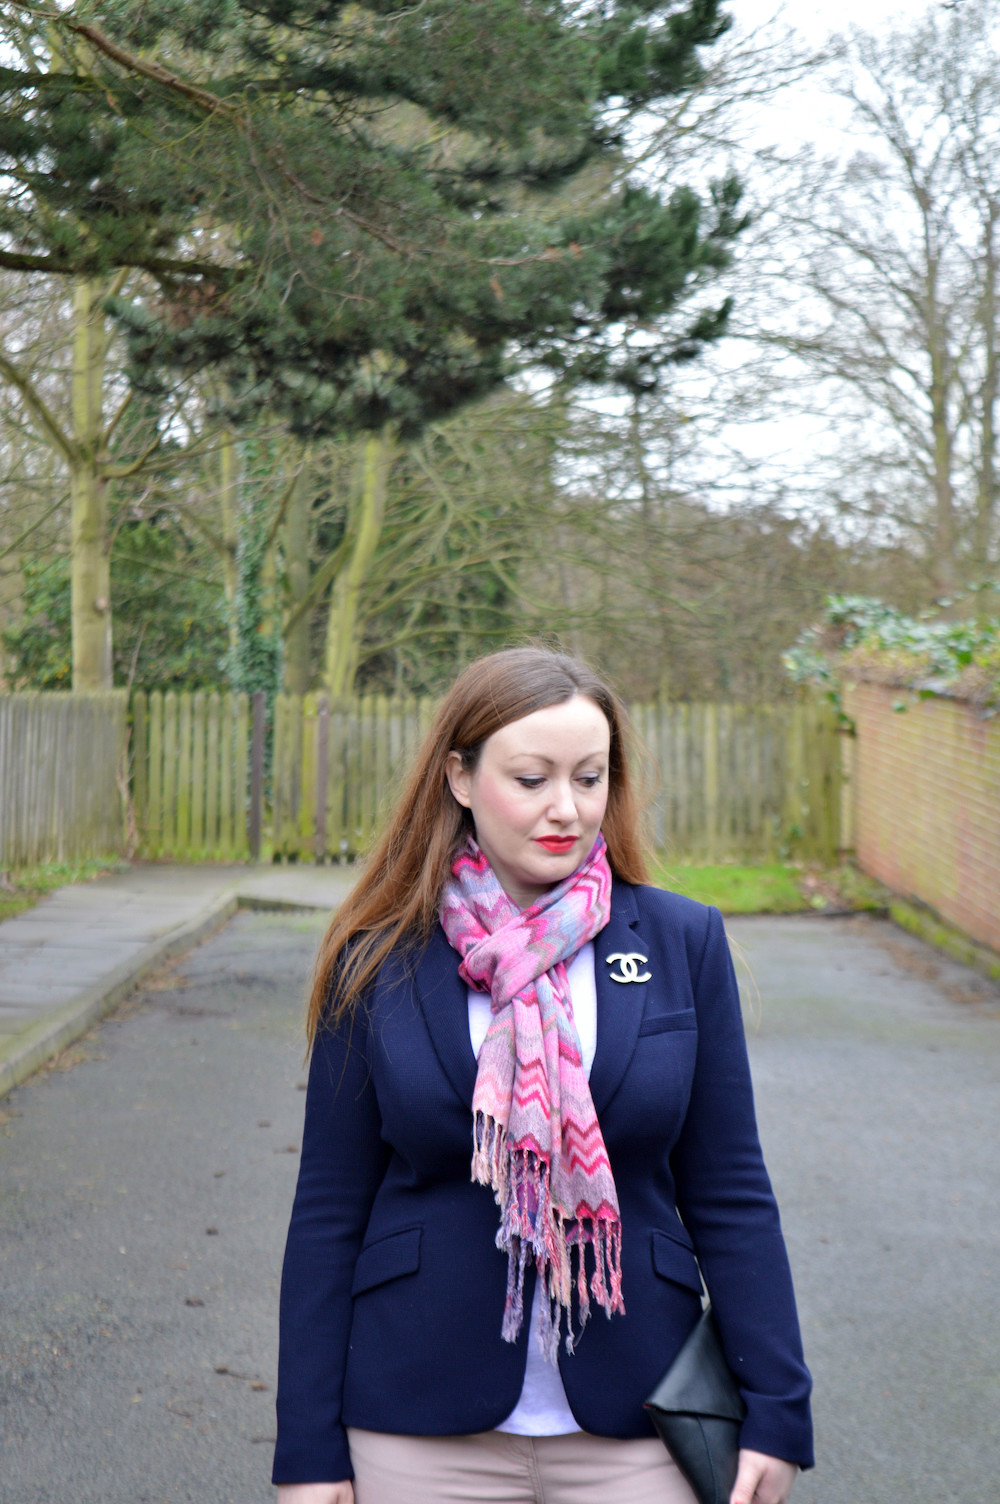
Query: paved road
[
  {"x": 877, "y": 1066},
  {"x": 144, "y": 1192},
  {"x": 145, "y": 1189}
]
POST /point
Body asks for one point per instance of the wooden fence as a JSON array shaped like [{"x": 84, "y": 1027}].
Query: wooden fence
[
  {"x": 742, "y": 782},
  {"x": 62, "y": 776},
  {"x": 335, "y": 768},
  {"x": 728, "y": 782},
  {"x": 189, "y": 774}
]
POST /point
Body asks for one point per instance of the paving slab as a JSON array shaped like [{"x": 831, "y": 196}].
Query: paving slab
[
  {"x": 69, "y": 960},
  {"x": 22, "y": 995}
]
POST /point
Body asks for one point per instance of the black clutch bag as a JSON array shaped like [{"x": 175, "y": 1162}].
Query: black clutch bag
[{"x": 697, "y": 1409}]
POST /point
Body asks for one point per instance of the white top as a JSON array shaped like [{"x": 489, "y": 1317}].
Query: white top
[{"x": 543, "y": 1409}]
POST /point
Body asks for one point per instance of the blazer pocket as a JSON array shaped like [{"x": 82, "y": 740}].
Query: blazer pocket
[
  {"x": 388, "y": 1258},
  {"x": 656, "y": 1023},
  {"x": 675, "y": 1260}
]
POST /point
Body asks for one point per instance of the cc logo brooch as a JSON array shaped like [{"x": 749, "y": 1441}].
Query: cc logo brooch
[{"x": 629, "y": 963}]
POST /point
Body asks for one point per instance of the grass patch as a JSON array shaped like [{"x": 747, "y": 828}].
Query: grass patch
[
  {"x": 774, "y": 887},
  {"x": 22, "y": 890},
  {"x": 771, "y": 888}
]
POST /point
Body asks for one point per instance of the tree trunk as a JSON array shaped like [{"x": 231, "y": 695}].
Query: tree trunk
[
  {"x": 943, "y": 562},
  {"x": 267, "y": 585},
  {"x": 295, "y": 545},
  {"x": 229, "y": 480},
  {"x": 90, "y": 558},
  {"x": 940, "y": 393},
  {"x": 342, "y": 629},
  {"x": 986, "y": 472},
  {"x": 11, "y": 596}
]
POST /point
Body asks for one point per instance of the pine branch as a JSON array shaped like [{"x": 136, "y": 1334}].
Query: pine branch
[
  {"x": 214, "y": 104},
  {"x": 157, "y": 266},
  {"x": 206, "y": 101}
]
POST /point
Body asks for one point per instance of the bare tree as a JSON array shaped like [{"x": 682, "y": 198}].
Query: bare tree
[
  {"x": 34, "y": 496},
  {"x": 877, "y": 285}
]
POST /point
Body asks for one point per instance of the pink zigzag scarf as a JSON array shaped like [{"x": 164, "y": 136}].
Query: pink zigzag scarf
[{"x": 536, "y": 1138}]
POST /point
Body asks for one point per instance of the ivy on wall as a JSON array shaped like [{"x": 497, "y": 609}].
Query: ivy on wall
[{"x": 862, "y": 638}]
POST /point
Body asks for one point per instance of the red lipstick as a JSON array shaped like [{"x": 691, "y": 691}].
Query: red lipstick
[{"x": 556, "y": 843}]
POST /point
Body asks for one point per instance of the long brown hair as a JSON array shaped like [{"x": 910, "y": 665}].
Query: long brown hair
[{"x": 397, "y": 895}]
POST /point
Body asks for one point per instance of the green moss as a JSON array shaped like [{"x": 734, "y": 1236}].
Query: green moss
[
  {"x": 22, "y": 890},
  {"x": 854, "y": 888},
  {"x": 927, "y": 926}
]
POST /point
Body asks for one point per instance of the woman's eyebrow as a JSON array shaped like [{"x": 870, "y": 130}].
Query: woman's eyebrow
[{"x": 550, "y": 762}]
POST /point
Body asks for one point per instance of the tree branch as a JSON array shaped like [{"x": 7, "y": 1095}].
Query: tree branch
[
  {"x": 211, "y": 535},
  {"x": 158, "y": 568},
  {"x": 210, "y": 103},
  {"x": 124, "y": 471},
  {"x": 13, "y": 547},
  {"x": 60, "y": 266},
  {"x": 34, "y": 401},
  {"x": 320, "y": 580}
]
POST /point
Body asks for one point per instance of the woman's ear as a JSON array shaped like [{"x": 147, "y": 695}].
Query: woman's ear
[{"x": 458, "y": 778}]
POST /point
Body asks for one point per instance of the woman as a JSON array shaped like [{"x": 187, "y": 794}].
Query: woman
[{"x": 502, "y": 988}]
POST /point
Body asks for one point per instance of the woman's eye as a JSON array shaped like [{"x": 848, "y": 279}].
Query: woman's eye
[
  {"x": 530, "y": 782},
  {"x": 590, "y": 780}
]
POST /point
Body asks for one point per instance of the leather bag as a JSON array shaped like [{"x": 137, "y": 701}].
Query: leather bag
[{"x": 697, "y": 1409}]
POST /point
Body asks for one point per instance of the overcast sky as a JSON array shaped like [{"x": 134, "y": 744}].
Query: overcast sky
[
  {"x": 801, "y": 114},
  {"x": 807, "y": 111},
  {"x": 816, "y": 19}
]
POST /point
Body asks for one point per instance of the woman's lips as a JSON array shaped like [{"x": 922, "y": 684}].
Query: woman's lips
[{"x": 556, "y": 843}]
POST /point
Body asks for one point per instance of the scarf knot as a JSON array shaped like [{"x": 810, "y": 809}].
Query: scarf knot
[{"x": 536, "y": 1139}]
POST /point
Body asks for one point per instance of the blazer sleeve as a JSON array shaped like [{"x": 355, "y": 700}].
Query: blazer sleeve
[
  {"x": 725, "y": 1199},
  {"x": 342, "y": 1165}
]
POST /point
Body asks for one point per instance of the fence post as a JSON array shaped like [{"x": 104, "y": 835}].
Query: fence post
[
  {"x": 153, "y": 832},
  {"x": 846, "y": 734},
  {"x": 322, "y": 775},
  {"x": 257, "y": 775},
  {"x": 140, "y": 769}
]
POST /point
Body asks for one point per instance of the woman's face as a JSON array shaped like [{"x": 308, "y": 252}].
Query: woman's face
[{"x": 538, "y": 794}]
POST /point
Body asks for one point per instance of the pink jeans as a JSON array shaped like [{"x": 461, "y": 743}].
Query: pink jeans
[{"x": 494, "y": 1467}]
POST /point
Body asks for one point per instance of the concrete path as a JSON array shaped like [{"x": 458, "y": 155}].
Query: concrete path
[
  {"x": 69, "y": 960},
  {"x": 876, "y": 1065},
  {"x": 145, "y": 1189}
]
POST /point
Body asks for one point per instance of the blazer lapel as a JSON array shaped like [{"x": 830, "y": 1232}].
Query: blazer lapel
[
  {"x": 620, "y": 1005},
  {"x": 444, "y": 1001}
]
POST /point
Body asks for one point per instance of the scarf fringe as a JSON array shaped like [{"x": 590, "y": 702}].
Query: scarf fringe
[{"x": 531, "y": 1226}]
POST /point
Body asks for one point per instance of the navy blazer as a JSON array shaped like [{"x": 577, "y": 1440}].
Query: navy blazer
[{"x": 393, "y": 1289}]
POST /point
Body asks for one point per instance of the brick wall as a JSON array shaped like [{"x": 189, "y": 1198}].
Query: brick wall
[{"x": 926, "y": 803}]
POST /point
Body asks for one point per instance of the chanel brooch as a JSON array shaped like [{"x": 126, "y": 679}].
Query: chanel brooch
[{"x": 629, "y": 963}]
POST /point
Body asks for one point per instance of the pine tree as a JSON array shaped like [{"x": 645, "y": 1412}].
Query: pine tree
[
  {"x": 358, "y": 217},
  {"x": 356, "y": 212}
]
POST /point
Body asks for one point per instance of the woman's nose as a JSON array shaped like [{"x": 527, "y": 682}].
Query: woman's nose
[{"x": 563, "y": 805}]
